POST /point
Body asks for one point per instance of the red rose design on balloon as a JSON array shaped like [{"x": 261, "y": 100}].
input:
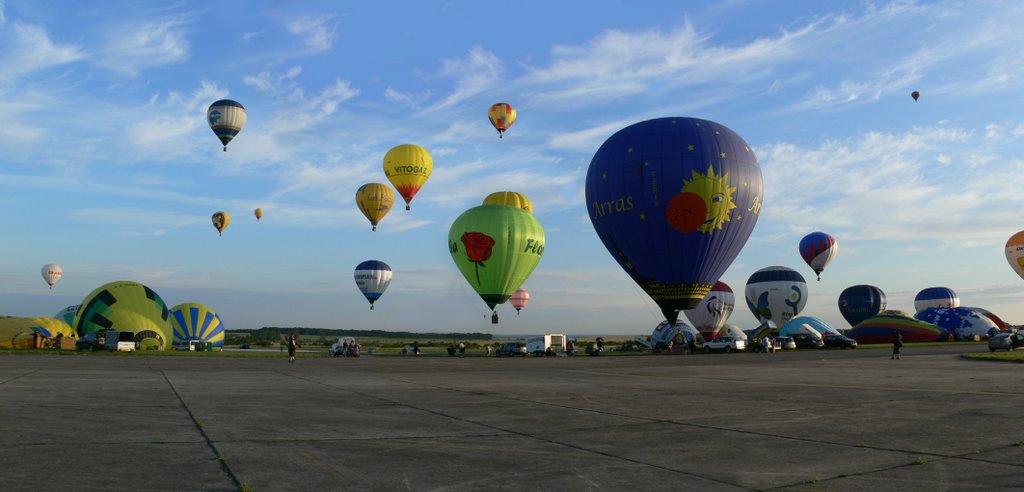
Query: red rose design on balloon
[{"x": 478, "y": 249}]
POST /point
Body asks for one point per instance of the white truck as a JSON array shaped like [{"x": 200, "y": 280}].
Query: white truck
[{"x": 539, "y": 345}]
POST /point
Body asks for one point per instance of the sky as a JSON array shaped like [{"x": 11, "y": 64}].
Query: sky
[{"x": 108, "y": 166}]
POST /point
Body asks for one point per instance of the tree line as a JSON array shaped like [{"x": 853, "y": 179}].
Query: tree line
[{"x": 275, "y": 333}]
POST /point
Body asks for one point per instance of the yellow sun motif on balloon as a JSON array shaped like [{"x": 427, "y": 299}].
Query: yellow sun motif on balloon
[{"x": 703, "y": 204}]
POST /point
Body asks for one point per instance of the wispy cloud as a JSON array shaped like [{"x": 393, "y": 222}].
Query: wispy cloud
[
  {"x": 317, "y": 32},
  {"x": 32, "y": 50},
  {"x": 129, "y": 48},
  {"x": 174, "y": 120},
  {"x": 477, "y": 72}
]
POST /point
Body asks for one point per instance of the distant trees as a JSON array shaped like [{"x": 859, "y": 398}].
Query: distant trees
[{"x": 276, "y": 333}]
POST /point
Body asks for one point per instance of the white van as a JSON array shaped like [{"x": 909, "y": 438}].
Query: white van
[{"x": 539, "y": 345}]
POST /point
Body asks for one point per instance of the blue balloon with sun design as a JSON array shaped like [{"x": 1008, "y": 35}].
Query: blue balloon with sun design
[
  {"x": 194, "y": 321},
  {"x": 674, "y": 201}
]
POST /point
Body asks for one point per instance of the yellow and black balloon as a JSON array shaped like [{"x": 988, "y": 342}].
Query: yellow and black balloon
[
  {"x": 258, "y": 213},
  {"x": 375, "y": 201},
  {"x": 221, "y": 220},
  {"x": 126, "y": 306},
  {"x": 194, "y": 321}
]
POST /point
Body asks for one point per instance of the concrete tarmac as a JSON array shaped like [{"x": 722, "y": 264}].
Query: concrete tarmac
[{"x": 807, "y": 420}]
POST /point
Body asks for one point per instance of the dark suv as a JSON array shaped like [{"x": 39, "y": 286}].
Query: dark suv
[
  {"x": 804, "y": 341},
  {"x": 91, "y": 342},
  {"x": 511, "y": 348},
  {"x": 840, "y": 341}
]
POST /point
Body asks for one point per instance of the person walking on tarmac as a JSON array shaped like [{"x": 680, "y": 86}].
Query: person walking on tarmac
[
  {"x": 293, "y": 345},
  {"x": 897, "y": 342}
]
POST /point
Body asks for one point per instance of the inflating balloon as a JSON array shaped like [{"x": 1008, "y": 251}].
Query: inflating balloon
[
  {"x": 674, "y": 200},
  {"x": 373, "y": 278},
  {"x": 52, "y": 273},
  {"x": 496, "y": 247},
  {"x": 375, "y": 201},
  {"x": 776, "y": 294},
  {"x": 194, "y": 321},
  {"x": 936, "y": 297},
  {"x": 502, "y": 115},
  {"x": 713, "y": 311},
  {"x": 220, "y": 221},
  {"x": 226, "y": 118},
  {"x": 408, "y": 166},
  {"x": 860, "y": 302},
  {"x": 818, "y": 249}
]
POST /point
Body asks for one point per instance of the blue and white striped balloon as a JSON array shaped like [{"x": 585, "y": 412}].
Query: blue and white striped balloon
[{"x": 372, "y": 278}]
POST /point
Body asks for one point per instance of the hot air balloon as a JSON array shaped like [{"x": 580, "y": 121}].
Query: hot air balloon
[
  {"x": 194, "y": 321},
  {"x": 509, "y": 198},
  {"x": 520, "y": 299},
  {"x": 880, "y": 329},
  {"x": 375, "y": 201},
  {"x": 776, "y": 294},
  {"x": 915, "y": 95},
  {"x": 258, "y": 213},
  {"x": 126, "y": 306},
  {"x": 818, "y": 249},
  {"x": 860, "y": 302},
  {"x": 372, "y": 278},
  {"x": 502, "y": 115},
  {"x": 937, "y": 297},
  {"x": 496, "y": 247},
  {"x": 408, "y": 166},
  {"x": 52, "y": 273},
  {"x": 67, "y": 314},
  {"x": 713, "y": 311},
  {"x": 226, "y": 118},
  {"x": 964, "y": 323},
  {"x": 676, "y": 333},
  {"x": 674, "y": 200},
  {"x": 220, "y": 221},
  {"x": 1015, "y": 253}
]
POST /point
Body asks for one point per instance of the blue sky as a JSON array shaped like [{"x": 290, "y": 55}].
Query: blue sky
[{"x": 107, "y": 165}]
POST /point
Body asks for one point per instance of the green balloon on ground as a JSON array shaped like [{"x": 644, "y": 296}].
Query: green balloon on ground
[
  {"x": 496, "y": 247},
  {"x": 126, "y": 306}
]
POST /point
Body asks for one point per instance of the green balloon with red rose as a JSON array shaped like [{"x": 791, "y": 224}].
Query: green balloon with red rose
[{"x": 496, "y": 247}]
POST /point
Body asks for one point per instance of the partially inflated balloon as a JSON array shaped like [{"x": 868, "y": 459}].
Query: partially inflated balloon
[
  {"x": 194, "y": 321},
  {"x": 520, "y": 299},
  {"x": 818, "y": 249},
  {"x": 502, "y": 115},
  {"x": 496, "y": 247},
  {"x": 860, "y": 302},
  {"x": 126, "y": 306},
  {"x": 52, "y": 273},
  {"x": 375, "y": 201},
  {"x": 408, "y": 166},
  {"x": 373, "y": 278},
  {"x": 776, "y": 294},
  {"x": 258, "y": 213},
  {"x": 936, "y": 297},
  {"x": 713, "y": 311},
  {"x": 1015, "y": 252},
  {"x": 674, "y": 200},
  {"x": 220, "y": 221},
  {"x": 510, "y": 198},
  {"x": 226, "y": 118}
]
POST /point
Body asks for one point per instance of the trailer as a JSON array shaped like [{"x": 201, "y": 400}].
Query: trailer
[{"x": 539, "y": 345}]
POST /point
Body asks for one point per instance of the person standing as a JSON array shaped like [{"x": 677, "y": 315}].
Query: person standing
[
  {"x": 416, "y": 348},
  {"x": 462, "y": 349},
  {"x": 568, "y": 347},
  {"x": 293, "y": 345},
  {"x": 488, "y": 347},
  {"x": 897, "y": 342}
]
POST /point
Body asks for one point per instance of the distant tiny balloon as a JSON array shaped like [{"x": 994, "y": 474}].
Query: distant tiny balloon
[
  {"x": 52, "y": 273},
  {"x": 258, "y": 213},
  {"x": 915, "y": 95}
]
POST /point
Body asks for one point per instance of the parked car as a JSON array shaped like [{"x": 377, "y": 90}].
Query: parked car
[
  {"x": 1006, "y": 341},
  {"x": 511, "y": 349},
  {"x": 803, "y": 340},
  {"x": 840, "y": 341},
  {"x": 725, "y": 344},
  {"x": 91, "y": 342},
  {"x": 785, "y": 343}
]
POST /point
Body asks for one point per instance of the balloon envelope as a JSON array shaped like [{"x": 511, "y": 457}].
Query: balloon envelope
[
  {"x": 408, "y": 166},
  {"x": 915, "y": 95},
  {"x": 226, "y": 119},
  {"x": 510, "y": 198},
  {"x": 375, "y": 201},
  {"x": 674, "y": 200},
  {"x": 258, "y": 213},
  {"x": 126, "y": 306},
  {"x": 1015, "y": 253},
  {"x": 674, "y": 332},
  {"x": 221, "y": 220},
  {"x": 776, "y": 294},
  {"x": 496, "y": 247},
  {"x": 52, "y": 273},
  {"x": 67, "y": 314},
  {"x": 520, "y": 298},
  {"x": 860, "y": 302},
  {"x": 713, "y": 311},
  {"x": 194, "y": 321},
  {"x": 797, "y": 324},
  {"x": 372, "y": 277},
  {"x": 502, "y": 115},
  {"x": 963, "y": 323},
  {"x": 817, "y": 249},
  {"x": 880, "y": 329},
  {"x": 938, "y": 297}
]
